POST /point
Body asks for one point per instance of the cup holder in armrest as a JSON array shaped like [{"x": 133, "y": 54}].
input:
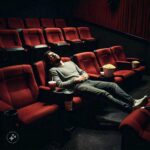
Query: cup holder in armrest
[
  {"x": 66, "y": 95},
  {"x": 10, "y": 113}
]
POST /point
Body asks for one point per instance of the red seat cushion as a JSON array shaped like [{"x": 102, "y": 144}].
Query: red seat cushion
[
  {"x": 35, "y": 111},
  {"x": 124, "y": 73}
]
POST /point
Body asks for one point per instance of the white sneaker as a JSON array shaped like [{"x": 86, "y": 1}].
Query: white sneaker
[{"x": 140, "y": 102}]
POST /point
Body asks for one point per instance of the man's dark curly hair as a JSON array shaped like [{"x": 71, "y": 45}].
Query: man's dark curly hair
[{"x": 47, "y": 60}]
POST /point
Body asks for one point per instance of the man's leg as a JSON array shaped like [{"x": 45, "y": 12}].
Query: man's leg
[
  {"x": 89, "y": 88},
  {"x": 113, "y": 88}
]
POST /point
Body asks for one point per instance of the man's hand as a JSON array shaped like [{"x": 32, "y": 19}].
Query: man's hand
[
  {"x": 81, "y": 78},
  {"x": 85, "y": 76}
]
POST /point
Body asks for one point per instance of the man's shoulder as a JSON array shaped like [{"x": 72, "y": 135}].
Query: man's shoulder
[
  {"x": 52, "y": 69},
  {"x": 69, "y": 62}
]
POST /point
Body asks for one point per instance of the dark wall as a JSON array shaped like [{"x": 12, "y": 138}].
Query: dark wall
[
  {"x": 129, "y": 16},
  {"x": 36, "y": 8}
]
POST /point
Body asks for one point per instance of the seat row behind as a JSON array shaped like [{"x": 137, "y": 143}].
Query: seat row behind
[
  {"x": 18, "y": 23},
  {"x": 93, "y": 62},
  {"x": 36, "y": 41}
]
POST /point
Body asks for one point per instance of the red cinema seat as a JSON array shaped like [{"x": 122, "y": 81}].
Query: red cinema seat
[
  {"x": 3, "y": 24},
  {"x": 120, "y": 56},
  {"x": 104, "y": 56},
  {"x": 60, "y": 23},
  {"x": 135, "y": 129},
  {"x": 54, "y": 36},
  {"x": 32, "y": 23},
  {"x": 56, "y": 40},
  {"x": 10, "y": 39},
  {"x": 71, "y": 36},
  {"x": 88, "y": 62},
  {"x": 85, "y": 34},
  {"x": 10, "y": 43},
  {"x": 15, "y": 23},
  {"x": 35, "y": 43},
  {"x": 43, "y": 78},
  {"x": 47, "y": 23},
  {"x": 19, "y": 90}
]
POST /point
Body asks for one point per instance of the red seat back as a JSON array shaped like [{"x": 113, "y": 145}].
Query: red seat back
[
  {"x": 3, "y": 24},
  {"x": 17, "y": 85},
  {"x": 15, "y": 23},
  {"x": 32, "y": 23},
  {"x": 9, "y": 39},
  {"x": 71, "y": 33},
  {"x": 60, "y": 23},
  {"x": 47, "y": 23},
  {"x": 87, "y": 62},
  {"x": 54, "y": 35},
  {"x": 33, "y": 37},
  {"x": 104, "y": 56},
  {"x": 84, "y": 33},
  {"x": 118, "y": 53}
]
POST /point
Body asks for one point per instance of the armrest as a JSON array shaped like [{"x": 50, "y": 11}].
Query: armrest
[
  {"x": 54, "y": 96},
  {"x": 94, "y": 76},
  {"x": 124, "y": 65},
  {"x": 19, "y": 30},
  {"x": 15, "y": 49},
  {"x": 40, "y": 46},
  {"x": 62, "y": 43},
  {"x": 4, "y": 106},
  {"x": 88, "y": 39},
  {"x": 74, "y": 41},
  {"x": 132, "y": 59}
]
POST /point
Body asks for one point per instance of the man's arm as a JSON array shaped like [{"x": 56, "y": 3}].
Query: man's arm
[
  {"x": 59, "y": 82},
  {"x": 82, "y": 72}
]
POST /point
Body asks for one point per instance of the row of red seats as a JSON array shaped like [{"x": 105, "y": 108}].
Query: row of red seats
[
  {"x": 36, "y": 41},
  {"x": 19, "y": 89},
  {"x": 92, "y": 63},
  {"x": 29, "y": 94},
  {"x": 18, "y": 23}
]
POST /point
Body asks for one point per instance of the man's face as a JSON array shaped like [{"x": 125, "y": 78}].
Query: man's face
[{"x": 54, "y": 58}]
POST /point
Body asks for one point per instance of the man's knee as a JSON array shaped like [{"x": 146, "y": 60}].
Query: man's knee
[
  {"x": 102, "y": 93},
  {"x": 113, "y": 85}
]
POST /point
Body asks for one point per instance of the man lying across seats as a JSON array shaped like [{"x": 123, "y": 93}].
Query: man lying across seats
[{"x": 69, "y": 76}]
